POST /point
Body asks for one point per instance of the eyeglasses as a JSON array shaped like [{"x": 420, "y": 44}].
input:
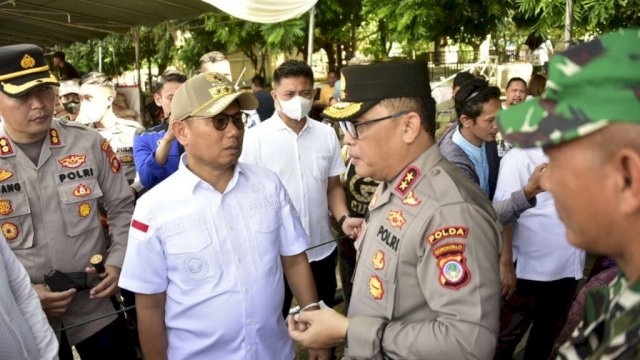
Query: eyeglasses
[
  {"x": 351, "y": 128},
  {"x": 221, "y": 121}
]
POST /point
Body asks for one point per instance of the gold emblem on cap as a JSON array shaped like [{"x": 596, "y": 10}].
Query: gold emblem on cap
[
  {"x": 27, "y": 62},
  {"x": 343, "y": 110},
  {"x": 215, "y": 77}
]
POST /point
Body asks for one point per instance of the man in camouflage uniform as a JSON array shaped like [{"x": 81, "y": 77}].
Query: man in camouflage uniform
[
  {"x": 588, "y": 122},
  {"x": 427, "y": 284}
]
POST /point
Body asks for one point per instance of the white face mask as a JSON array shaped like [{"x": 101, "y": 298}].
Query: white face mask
[
  {"x": 297, "y": 108},
  {"x": 92, "y": 111}
]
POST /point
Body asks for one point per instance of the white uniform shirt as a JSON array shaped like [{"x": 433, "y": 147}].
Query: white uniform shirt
[
  {"x": 217, "y": 257},
  {"x": 304, "y": 162},
  {"x": 25, "y": 333},
  {"x": 120, "y": 136},
  {"x": 540, "y": 244}
]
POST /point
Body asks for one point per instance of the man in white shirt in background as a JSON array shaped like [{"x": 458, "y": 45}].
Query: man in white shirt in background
[
  {"x": 306, "y": 156},
  {"x": 25, "y": 332},
  {"x": 546, "y": 266}
]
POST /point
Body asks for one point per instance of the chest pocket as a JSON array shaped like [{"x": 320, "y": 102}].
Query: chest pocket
[
  {"x": 193, "y": 264},
  {"x": 15, "y": 221},
  {"x": 321, "y": 165},
  {"x": 265, "y": 226},
  {"x": 380, "y": 265},
  {"x": 79, "y": 203}
]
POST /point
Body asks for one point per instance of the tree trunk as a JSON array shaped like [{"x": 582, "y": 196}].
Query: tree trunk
[
  {"x": 331, "y": 55},
  {"x": 339, "y": 56}
]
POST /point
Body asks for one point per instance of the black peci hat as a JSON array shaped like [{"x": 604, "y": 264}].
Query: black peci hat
[
  {"x": 22, "y": 68},
  {"x": 367, "y": 85}
]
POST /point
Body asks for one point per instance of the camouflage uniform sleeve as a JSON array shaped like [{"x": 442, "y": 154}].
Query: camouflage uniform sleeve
[
  {"x": 117, "y": 198},
  {"x": 458, "y": 276}
]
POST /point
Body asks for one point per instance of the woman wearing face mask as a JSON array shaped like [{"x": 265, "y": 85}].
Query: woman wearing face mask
[{"x": 69, "y": 98}]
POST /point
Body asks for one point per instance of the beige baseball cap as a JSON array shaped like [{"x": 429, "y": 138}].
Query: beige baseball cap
[
  {"x": 208, "y": 94},
  {"x": 69, "y": 87}
]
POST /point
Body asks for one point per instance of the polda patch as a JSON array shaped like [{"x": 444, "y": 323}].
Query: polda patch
[{"x": 447, "y": 232}]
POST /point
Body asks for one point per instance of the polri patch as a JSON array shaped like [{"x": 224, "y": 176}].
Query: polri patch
[
  {"x": 388, "y": 238},
  {"x": 407, "y": 180},
  {"x": 73, "y": 161},
  {"x": 376, "y": 288},
  {"x": 10, "y": 230},
  {"x": 446, "y": 232}
]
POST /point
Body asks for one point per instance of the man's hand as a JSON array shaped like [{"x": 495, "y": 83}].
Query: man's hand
[
  {"x": 108, "y": 286},
  {"x": 350, "y": 225},
  {"x": 325, "y": 329},
  {"x": 54, "y": 303},
  {"x": 533, "y": 187},
  {"x": 169, "y": 136},
  {"x": 507, "y": 278}
]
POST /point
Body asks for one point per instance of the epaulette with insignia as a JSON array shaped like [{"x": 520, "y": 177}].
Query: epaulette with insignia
[{"x": 407, "y": 180}]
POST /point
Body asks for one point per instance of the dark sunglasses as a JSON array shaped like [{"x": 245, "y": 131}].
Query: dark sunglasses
[{"x": 221, "y": 121}]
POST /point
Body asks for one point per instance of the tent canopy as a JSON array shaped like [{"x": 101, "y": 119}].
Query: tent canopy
[{"x": 61, "y": 22}]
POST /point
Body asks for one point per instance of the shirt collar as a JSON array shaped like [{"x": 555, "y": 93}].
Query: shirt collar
[
  {"x": 465, "y": 144},
  {"x": 190, "y": 181}
]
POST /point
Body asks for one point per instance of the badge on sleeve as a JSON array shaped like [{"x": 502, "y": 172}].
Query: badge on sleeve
[
  {"x": 452, "y": 263},
  {"x": 139, "y": 226},
  {"x": 446, "y": 232},
  {"x": 376, "y": 289},
  {"x": 114, "y": 162}
]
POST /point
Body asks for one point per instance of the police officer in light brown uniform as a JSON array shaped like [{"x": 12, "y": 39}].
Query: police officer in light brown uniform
[
  {"x": 52, "y": 174},
  {"x": 427, "y": 280}
]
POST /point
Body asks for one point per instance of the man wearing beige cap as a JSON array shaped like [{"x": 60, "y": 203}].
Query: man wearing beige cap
[{"x": 208, "y": 274}]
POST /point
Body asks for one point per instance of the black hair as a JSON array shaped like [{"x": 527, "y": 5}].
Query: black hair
[
  {"x": 472, "y": 96},
  {"x": 59, "y": 55},
  {"x": 516, "y": 79},
  {"x": 292, "y": 68},
  {"x": 461, "y": 78},
  {"x": 169, "y": 76},
  {"x": 258, "y": 81}
]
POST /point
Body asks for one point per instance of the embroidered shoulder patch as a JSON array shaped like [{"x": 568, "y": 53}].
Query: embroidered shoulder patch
[
  {"x": 73, "y": 161},
  {"x": 5, "y": 174},
  {"x": 5, "y": 146},
  {"x": 407, "y": 180},
  {"x": 54, "y": 137},
  {"x": 446, "y": 232}
]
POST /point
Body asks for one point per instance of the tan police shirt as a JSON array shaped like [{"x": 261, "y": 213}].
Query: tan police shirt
[
  {"x": 120, "y": 136},
  {"x": 49, "y": 213},
  {"x": 427, "y": 282}
]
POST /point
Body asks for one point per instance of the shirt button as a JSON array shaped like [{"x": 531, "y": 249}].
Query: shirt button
[
  {"x": 250, "y": 322},
  {"x": 435, "y": 172},
  {"x": 250, "y": 348},
  {"x": 239, "y": 260},
  {"x": 245, "y": 290},
  {"x": 230, "y": 228}
]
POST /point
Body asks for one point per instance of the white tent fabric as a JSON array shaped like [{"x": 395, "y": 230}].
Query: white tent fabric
[{"x": 264, "y": 11}]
